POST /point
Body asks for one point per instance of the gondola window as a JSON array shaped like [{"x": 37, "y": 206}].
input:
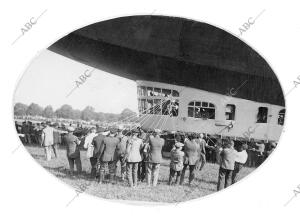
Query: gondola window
[
  {"x": 281, "y": 116},
  {"x": 262, "y": 115},
  {"x": 230, "y": 112},
  {"x": 204, "y": 110}
]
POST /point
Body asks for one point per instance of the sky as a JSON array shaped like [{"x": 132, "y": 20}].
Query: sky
[{"x": 51, "y": 80}]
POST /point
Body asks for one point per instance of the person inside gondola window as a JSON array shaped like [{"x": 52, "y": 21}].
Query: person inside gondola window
[
  {"x": 262, "y": 115},
  {"x": 149, "y": 91},
  {"x": 281, "y": 116},
  {"x": 150, "y": 106},
  {"x": 230, "y": 112},
  {"x": 197, "y": 112},
  {"x": 174, "y": 108}
]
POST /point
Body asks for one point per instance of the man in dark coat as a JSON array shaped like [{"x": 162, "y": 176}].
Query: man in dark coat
[
  {"x": 142, "y": 165},
  {"x": 252, "y": 157},
  {"x": 260, "y": 150},
  {"x": 73, "y": 154},
  {"x": 26, "y": 131},
  {"x": 108, "y": 156},
  {"x": 227, "y": 161},
  {"x": 192, "y": 155},
  {"x": 176, "y": 164},
  {"x": 98, "y": 146},
  {"x": 155, "y": 156}
]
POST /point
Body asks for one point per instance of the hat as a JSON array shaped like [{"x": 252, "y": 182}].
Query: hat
[
  {"x": 178, "y": 137},
  {"x": 105, "y": 133},
  {"x": 92, "y": 128},
  {"x": 100, "y": 129},
  {"x": 193, "y": 136},
  {"x": 157, "y": 130},
  {"x": 70, "y": 129},
  {"x": 113, "y": 130},
  {"x": 178, "y": 145},
  {"x": 124, "y": 132},
  {"x": 245, "y": 146},
  {"x": 135, "y": 131}
]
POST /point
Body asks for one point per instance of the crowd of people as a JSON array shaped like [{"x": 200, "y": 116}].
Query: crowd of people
[
  {"x": 139, "y": 153},
  {"x": 258, "y": 151}
]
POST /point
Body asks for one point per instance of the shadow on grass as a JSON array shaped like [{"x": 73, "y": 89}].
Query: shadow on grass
[
  {"x": 201, "y": 180},
  {"x": 38, "y": 156},
  {"x": 62, "y": 172}
]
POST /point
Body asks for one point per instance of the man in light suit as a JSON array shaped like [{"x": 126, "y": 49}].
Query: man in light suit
[{"x": 202, "y": 143}]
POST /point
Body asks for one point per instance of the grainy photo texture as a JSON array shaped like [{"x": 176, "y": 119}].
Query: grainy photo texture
[{"x": 149, "y": 108}]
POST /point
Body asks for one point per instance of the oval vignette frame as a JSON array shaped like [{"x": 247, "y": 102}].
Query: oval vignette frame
[{"x": 213, "y": 61}]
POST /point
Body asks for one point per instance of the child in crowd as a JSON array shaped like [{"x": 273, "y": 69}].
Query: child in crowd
[{"x": 176, "y": 164}]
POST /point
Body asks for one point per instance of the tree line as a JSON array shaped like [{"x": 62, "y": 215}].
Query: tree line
[{"x": 67, "y": 112}]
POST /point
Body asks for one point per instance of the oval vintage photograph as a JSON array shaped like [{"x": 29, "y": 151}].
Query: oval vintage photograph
[{"x": 149, "y": 108}]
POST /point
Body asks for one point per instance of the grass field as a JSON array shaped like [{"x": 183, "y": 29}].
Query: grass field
[{"x": 204, "y": 184}]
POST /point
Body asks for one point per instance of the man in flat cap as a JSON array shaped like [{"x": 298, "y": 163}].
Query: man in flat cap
[
  {"x": 108, "y": 156},
  {"x": 176, "y": 164}
]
